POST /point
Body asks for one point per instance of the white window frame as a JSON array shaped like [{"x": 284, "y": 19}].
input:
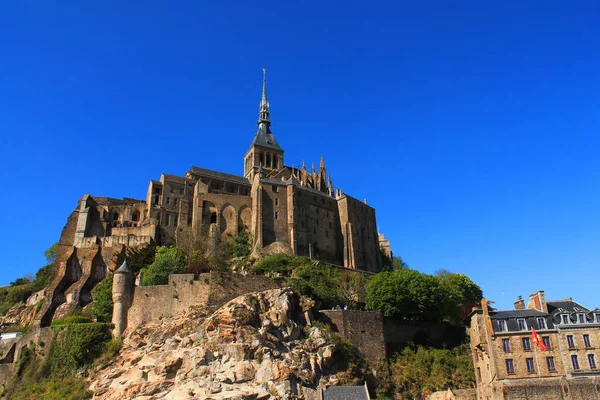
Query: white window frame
[
  {"x": 597, "y": 318},
  {"x": 581, "y": 318},
  {"x": 543, "y": 324},
  {"x": 524, "y": 324},
  {"x": 565, "y": 319},
  {"x": 502, "y": 326}
]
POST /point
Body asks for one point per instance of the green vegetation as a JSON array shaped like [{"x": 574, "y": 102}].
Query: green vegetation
[
  {"x": 167, "y": 261},
  {"x": 20, "y": 290},
  {"x": 410, "y": 294},
  {"x": 71, "y": 319},
  {"x": 240, "y": 244},
  {"x": 419, "y": 371},
  {"x": 75, "y": 346},
  {"x": 102, "y": 306},
  {"x": 281, "y": 263}
]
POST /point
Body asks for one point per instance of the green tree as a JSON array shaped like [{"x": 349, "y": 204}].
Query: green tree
[
  {"x": 50, "y": 253},
  {"x": 406, "y": 293},
  {"x": 462, "y": 292},
  {"x": 102, "y": 307},
  {"x": 167, "y": 261},
  {"x": 240, "y": 244}
]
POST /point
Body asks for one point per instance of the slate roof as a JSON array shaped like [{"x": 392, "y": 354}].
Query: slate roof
[
  {"x": 345, "y": 393},
  {"x": 221, "y": 175},
  {"x": 557, "y": 307},
  {"x": 124, "y": 268},
  {"x": 265, "y": 138}
]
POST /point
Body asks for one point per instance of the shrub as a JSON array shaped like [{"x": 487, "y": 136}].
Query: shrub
[
  {"x": 102, "y": 307},
  {"x": 71, "y": 319},
  {"x": 167, "y": 261},
  {"x": 281, "y": 263}
]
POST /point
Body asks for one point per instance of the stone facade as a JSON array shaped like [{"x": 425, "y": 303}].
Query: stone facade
[{"x": 507, "y": 359}]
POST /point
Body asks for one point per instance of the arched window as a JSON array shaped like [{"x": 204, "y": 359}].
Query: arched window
[
  {"x": 115, "y": 216},
  {"x": 135, "y": 217},
  {"x": 213, "y": 218}
]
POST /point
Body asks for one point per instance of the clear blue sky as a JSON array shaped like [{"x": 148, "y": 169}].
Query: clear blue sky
[{"x": 472, "y": 127}]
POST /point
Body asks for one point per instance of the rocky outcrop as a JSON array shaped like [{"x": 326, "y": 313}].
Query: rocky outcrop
[{"x": 256, "y": 346}]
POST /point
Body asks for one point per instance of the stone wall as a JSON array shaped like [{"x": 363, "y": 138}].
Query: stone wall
[
  {"x": 583, "y": 388},
  {"x": 363, "y": 328},
  {"x": 152, "y": 303},
  {"x": 399, "y": 332},
  {"x": 450, "y": 394}
]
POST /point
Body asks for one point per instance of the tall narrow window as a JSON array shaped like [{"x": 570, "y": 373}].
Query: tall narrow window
[
  {"x": 541, "y": 323},
  {"x": 276, "y": 202},
  {"x": 546, "y": 341},
  {"x": 275, "y": 161},
  {"x": 586, "y": 341},
  {"x": 522, "y": 324},
  {"x": 550, "y": 364},
  {"x": 591, "y": 361},
  {"x": 506, "y": 345},
  {"x": 502, "y": 325},
  {"x": 510, "y": 367},
  {"x": 276, "y": 215},
  {"x": 526, "y": 344},
  {"x": 581, "y": 318},
  {"x": 575, "y": 362},
  {"x": 597, "y": 318},
  {"x": 570, "y": 341},
  {"x": 564, "y": 319},
  {"x": 530, "y": 365}
]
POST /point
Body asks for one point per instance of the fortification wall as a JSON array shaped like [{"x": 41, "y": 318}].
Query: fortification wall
[
  {"x": 363, "y": 328},
  {"x": 152, "y": 303},
  {"x": 399, "y": 332},
  {"x": 581, "y": 388},
  {"x": 460, "y": 394}
]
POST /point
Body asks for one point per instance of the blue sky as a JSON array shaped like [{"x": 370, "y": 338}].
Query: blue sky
[{"x": 472, "y": 127}]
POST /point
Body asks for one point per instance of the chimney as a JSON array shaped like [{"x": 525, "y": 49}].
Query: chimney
[
  {"x": 537, "y": 301},
  {"x": 520, "y": 304}
]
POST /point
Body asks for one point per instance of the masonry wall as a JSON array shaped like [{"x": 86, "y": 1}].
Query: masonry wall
[
  {"x": 399, "y": 332},
  {"x": 363, "y": 328},
  {"x": 152, "y": 303},
  {"x": 547, "y": 389}
]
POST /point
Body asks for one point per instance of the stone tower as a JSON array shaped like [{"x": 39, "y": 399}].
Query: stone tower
[
  {"x": 264, "y": 150},
  {"x": 122, "y": 295}
]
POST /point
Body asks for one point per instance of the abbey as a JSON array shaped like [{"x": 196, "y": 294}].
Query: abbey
[{"x": 285, "y": 209}]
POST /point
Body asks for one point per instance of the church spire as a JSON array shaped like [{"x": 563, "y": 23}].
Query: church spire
[{"x": 263, "y": 114}]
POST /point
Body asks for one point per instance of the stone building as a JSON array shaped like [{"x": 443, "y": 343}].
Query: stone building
[
  {"x": 509, "y": 365},
  {"x": 284, "y": 209}
]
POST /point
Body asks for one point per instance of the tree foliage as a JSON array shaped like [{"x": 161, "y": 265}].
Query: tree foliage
[
  {"x": 410, "y": 294},
  {"x": 50, "y": 253},
  {"x": 167, "y": 261},
  {"x": 418, "y": 372},
  {"x": 102, "y": 307}
]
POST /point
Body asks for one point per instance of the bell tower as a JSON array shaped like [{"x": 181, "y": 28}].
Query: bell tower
[{"x": 264, "y": 150}]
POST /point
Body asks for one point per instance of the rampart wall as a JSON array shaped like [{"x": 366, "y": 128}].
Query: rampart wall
[
  {"x": 152, "y": 303},
  {"x": 363, "y": 328},
  {"x": 580, "y": 388}
]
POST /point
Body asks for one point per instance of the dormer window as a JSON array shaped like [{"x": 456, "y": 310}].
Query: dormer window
[
  {"x": 564, "y": 319},
  {"x": 502, "y": 326},
  {"x": 597, "y": 318},
  {"x": 522, "y": 324},
  {"x": 541, "y": 323},
  {"x": 581, "y": 318}
]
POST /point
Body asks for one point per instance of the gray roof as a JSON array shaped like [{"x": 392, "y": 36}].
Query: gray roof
[
  {"x": 556, "y": 307},
  {"x": 516, "y": 314},
  {"x": 221, "y": 175},
  {"x": 265, "y": 138},
  {"x": 124, "y": 268},
  {"x": 345, "y": 393}
]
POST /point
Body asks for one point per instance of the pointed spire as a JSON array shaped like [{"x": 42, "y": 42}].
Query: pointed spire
[
  {"x": 263, "y": 114},
  {"x": 322, "y": 162}
]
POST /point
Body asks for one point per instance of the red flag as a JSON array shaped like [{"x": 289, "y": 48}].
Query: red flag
[{"x": 537, "y": 340}]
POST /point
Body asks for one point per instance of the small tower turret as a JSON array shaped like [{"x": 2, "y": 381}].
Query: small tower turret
[{"x": 122, "y": 295}]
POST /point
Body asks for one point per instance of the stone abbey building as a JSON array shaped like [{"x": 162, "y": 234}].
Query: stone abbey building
[{"x": 284, "y": 209}]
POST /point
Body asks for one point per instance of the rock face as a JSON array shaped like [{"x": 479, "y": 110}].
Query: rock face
[{"x": 254, "y": 347}]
